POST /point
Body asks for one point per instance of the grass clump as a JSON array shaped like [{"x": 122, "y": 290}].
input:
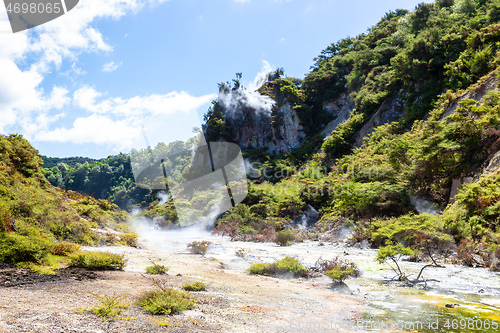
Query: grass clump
[
  {"x": 110, "y": 305},
  {"x": 165, "y": 323},
  {"x": 41, "y": 268},
  {"x": 157, "y": 269},
  {"x": 129, "y": 239},
  {"x": 32, "y": 246},
  {"x": 286, "y": 265},
  {"x": 285, "y": 237},
  {"x": 337, "y": 269},
  {"x": 97, "y": 260},
  {"x": 166, "y": 301},
  {"x": 340, "y": 273},
  {"x": 65, "y": 249},
  {"x": 200, "y": 247},
  {"x": 197, "y": 286}
]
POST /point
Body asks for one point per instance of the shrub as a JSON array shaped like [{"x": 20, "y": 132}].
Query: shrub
[
  {"x": 129, "y": 239},
  {"x": 394, "y": 253},
  {"x": 285, "y": 237},
  {"x": 39, "y": 269},
  {"x": 15, "y": 248},
  {"x": 197, "y": 286},
  {"x": 340, "y": 273},
  {"x": 262, "y": 268},
  {"x": 338, "y": 269},
  {"x": 200, "y": 247},
  {"x": 283, "y": 266},
  {"x": 157, "y": 269},
  {"x": 97, "y": 260},
  {"x": 165, "y": 302},
  {"x": 65, "y": 248},
  {"x": 110, "y": 305}
]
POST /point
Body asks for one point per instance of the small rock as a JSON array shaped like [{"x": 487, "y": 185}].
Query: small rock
[{"x": 451, "y": 305}]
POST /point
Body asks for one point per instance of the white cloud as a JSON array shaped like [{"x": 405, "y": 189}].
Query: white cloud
[
  {"x": 96, "y": 129},
  {"x": 117, "y": 121},
  {"x": 155, "y": 104},
  {"x": 111, "y": 66},
  {"x": 27, "y": 57},
  {"x": 85, "y": 98}
]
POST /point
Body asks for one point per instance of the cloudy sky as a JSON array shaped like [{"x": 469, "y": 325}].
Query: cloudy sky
[{"x": 109, "y": 73}]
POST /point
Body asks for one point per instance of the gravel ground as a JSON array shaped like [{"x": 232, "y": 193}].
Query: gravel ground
[
  {"x": 50, "y": 304},
  {"x": 234, "y": 302}
]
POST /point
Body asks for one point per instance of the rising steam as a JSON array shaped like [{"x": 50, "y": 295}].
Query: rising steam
[{"x": 236, "y": 100}]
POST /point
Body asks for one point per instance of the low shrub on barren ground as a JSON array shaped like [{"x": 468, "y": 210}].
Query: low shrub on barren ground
[
  {"x": 287, "y": 265},
  {"x": 65, "y": 248},
  {"x": 196, "y": 286},
  {"x": 157, "y": 269},
  {"x": 110, "y": 306},
  {"x": 165, "y": 302},
  {"x": 285, "y": 237},
  {"x": 337, "y": 269},
  {"x": 199, "y": 247},
  {"x": 97, "y": 260}
]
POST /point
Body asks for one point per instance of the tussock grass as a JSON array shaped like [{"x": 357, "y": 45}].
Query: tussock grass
[
  {"x": 165, "y": 302},
  {"x": 283, "y": 266},
  {"x": 109, "y": 305},
  {"x": 97, "y": 260},
  {"x": 197, "y": 286},
  {"x": 157, "y": 269}
]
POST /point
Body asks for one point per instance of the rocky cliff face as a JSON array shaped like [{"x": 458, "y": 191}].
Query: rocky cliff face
[
  {"x": 340, "y": 109},
  {"x": 478, "y": 91},
  {"x": 257, "y": 121},
  {"x": 279, "y": 131},
  {"x": 390, "y": 111}
]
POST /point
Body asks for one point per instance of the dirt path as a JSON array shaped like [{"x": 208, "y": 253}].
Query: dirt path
[{"x": 234, "y": 302}]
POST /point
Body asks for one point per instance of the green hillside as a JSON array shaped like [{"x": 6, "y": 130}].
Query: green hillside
[
  {"x": 432, "y": 62},
  {"x": 36, "y": 217}
]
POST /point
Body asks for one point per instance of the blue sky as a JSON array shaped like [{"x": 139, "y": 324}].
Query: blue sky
[{"x": 91, "y": 82}]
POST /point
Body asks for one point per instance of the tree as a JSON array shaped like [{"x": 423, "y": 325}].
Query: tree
[
  {"x": 392, "y": 254},
  {"x": 237, "y": 81}
]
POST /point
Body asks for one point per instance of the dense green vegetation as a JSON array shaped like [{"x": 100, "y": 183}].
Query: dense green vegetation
[
  {"x": 109, "y": 178},
  {"x": 35, "y": 217},
  {"x": 112, "y": 177},
  {"x": 413, "y": 57},
  {"x": 425, "y": 59},
  {"x": 72, "y": 162},
  {"x": 97, "y": 260}
]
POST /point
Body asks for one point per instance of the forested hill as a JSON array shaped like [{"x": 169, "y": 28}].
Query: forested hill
[
  {"x": 50, "y": 162},
  {"x": 402, "y": 114},
  {"x": 37, "y": 218}
]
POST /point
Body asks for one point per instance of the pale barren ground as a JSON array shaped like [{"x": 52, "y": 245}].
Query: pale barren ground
[{"x": 234, "y": 302}]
